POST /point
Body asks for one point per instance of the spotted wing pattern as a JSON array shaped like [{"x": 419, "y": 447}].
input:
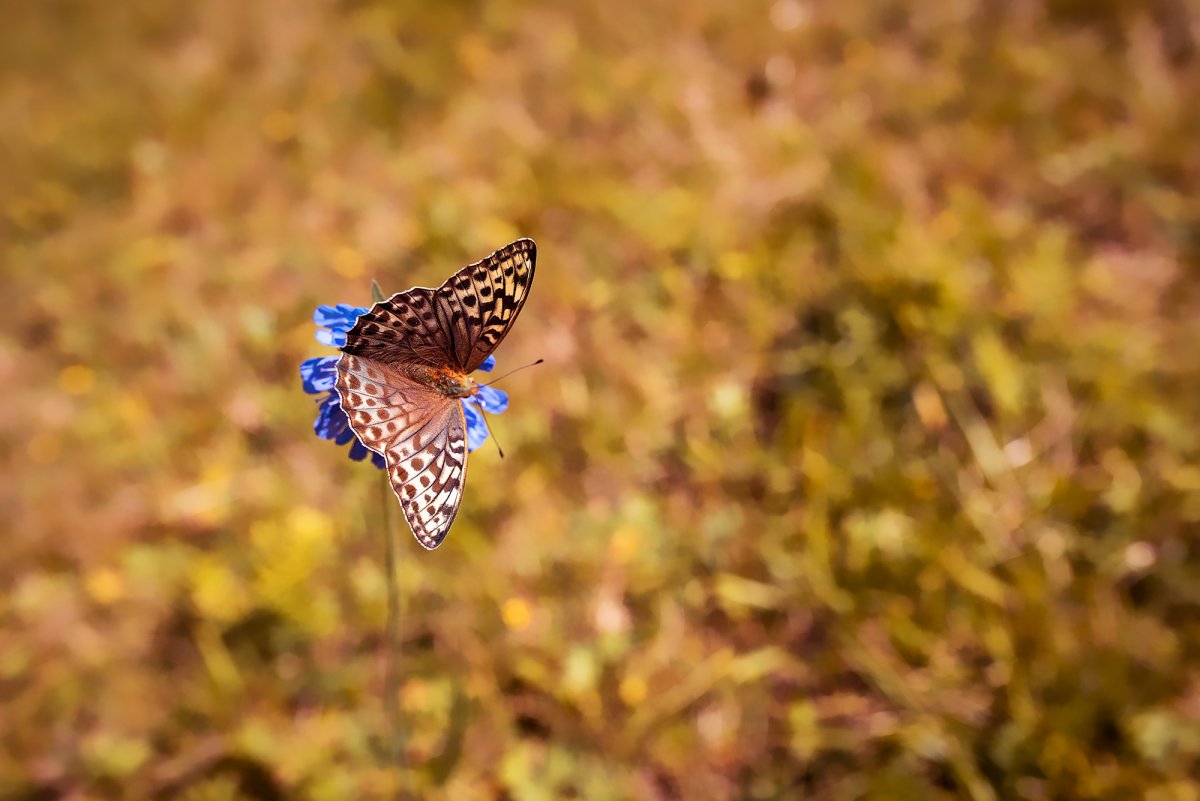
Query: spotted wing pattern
[
  {"x": 456, "y": 325},
  {"x": 482, "y": 300},
  {"x": 421, "y": 434}
]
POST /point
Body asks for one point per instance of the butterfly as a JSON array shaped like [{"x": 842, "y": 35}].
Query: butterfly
[{"x": 407, "y": 363}]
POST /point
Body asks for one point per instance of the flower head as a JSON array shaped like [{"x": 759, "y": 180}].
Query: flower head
[
  {"x": 490, "y": 400},
  {"x": 319, "y": 377}
]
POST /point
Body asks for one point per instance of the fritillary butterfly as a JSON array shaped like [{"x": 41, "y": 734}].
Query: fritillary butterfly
[{"x": 407, "y": 363}]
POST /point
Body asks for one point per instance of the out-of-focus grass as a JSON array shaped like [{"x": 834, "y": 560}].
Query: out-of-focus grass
[{"x": 863, "y": 464}]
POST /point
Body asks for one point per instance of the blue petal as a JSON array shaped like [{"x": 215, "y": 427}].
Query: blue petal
[
  {"x": 334, "y": 339},
  {"x": 489, "y": 364},
  {"x": 358, "y": 451},
  {"x": 338, "y": 320},
  {"x": 346, "y": 435},
  {"x": 477, "y": 432},
  {"x": 331, "y": 421},
  {"x": 492, "y": 401},
  {"x": 319, "y": 375}
]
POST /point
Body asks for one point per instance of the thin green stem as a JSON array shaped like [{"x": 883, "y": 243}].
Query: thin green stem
[{"x": 392, "y": 642}]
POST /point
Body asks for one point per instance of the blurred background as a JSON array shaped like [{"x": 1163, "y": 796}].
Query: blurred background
[{"x": 863, "y": 463}]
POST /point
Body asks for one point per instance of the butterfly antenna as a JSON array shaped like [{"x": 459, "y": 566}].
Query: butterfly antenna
[
  {"x": 491, "y": 433},
  {"x": 510, "y": 372}
]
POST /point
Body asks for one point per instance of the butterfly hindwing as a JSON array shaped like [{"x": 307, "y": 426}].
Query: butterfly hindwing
[
  {"x": 432, "y": 473},
  {"x": 420, "y": 433}
]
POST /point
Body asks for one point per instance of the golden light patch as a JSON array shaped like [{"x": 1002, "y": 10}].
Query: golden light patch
[
  {"x": 929, "y": 407},
  {"x": 624, "y": 544},
  {"x": 348, "y": 262},
  {"x": 77, "y": 379},
  {"x": 735, "y": 265},
  {"x": 278, "y": 125},
  {"x": 947, "y": 225},
  {"x": 516, "y": 613},
  {"x": 633, "y": 690},
  {"x": 105, "y": 585}
]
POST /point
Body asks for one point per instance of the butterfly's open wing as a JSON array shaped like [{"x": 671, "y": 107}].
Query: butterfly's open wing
[
  {"x": 456, "y": 325},
  {"x": 408, "y": 327},
  {"x": 482, "y": 300},
  {"x": 422, "y": 435}
]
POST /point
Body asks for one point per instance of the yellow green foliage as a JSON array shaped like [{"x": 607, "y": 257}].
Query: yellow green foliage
[{"x": 864, "y": 462}]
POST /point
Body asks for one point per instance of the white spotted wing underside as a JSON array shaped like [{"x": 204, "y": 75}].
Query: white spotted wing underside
[{"x": 420, "y": 432}]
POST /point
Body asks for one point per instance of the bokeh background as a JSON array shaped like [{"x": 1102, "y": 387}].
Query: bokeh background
[{"x": 863, "y": 463}]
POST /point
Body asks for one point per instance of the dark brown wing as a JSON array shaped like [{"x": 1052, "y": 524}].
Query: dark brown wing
[
  {"x": 407, "y": 327},
  {"x": 422, "y": 435},
  {"x": 481, "y": 301},
  {"x": 456, "y": 325}
]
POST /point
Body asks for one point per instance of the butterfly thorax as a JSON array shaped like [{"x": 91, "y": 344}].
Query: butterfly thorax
[{"x": 450, "y": 383}]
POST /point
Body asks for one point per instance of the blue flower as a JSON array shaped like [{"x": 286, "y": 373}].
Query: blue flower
[
  {"x": 338, "y": 319},
  {"x": 319, "y": 375},
  {"x": 490, "y": 400}
]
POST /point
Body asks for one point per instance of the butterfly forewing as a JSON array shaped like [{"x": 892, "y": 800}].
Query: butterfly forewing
[
  {"x": 421, "y": 432},
  {"x": 421, "y": 435},
  {"x": 482, "y": 301},
  {"x": 405, "y": 328},
  {"x": 458, "y": 324}
]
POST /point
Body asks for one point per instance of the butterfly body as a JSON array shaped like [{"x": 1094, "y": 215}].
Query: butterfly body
[
  {"x": 450, "y": 383},
  {"x": 405, "y": 369}
]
